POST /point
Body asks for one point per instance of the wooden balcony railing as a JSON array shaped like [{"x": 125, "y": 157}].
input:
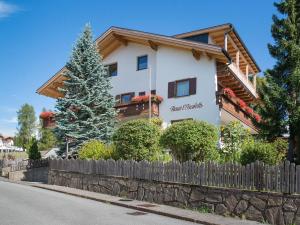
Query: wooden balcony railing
[
  {"x": 137, "y": 109},
  {"x": 232, "y": 107}
]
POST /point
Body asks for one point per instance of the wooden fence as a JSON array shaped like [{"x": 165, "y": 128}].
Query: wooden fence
[{"x": 283, "y": 178}]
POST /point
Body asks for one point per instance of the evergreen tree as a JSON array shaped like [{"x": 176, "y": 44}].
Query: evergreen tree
[
  {"x": 87, "y": 109},
  {"x": 33, "y": 152},
  {"x": 281, "y": 92},
  {"x": 271, "y": 110},
  {"x": 47, "y": 139},
  {"x": 26, "y": 125}
]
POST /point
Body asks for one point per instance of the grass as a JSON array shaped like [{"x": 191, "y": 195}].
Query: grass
[
  {"x": 14, "y": 155},
  {"x": 203, "y": 209}
]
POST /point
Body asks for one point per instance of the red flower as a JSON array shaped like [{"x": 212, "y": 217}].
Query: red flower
[
  {"x": 257, "y": 117},
  {"x": 249, "y": 110},
  {"x": 241, "y": 103},
  {"x": 145, "y": 98},
  {"x": 46, "y": 115},
  {"x": 229, "y": 92}
]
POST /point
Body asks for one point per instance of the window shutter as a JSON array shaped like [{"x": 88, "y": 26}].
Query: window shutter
[
  {"x": 118, "y": 99},
  {"x": 171, "y": 89},
  {"x": 193, "y": 86}
]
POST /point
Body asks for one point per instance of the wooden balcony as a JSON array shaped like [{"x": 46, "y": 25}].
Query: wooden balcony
[
  {"x": 136, "y": 110},
  {"x": 230, "y": 108},
  {"x": 231, "y": 77}
]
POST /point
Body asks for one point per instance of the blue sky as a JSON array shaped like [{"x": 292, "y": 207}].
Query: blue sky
[{"x": 36, "y": 37}]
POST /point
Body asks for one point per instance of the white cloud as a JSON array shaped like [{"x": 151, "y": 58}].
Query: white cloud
[
  {"x": 7, "y": 9},
  {"x": 10, "y": 120}
]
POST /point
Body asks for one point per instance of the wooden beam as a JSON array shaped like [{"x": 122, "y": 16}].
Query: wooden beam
[
  {"x": 153, "y": 45},
  {"x": 225, "y": 41},
  {"x": 237, "y": 48},
  {"x": 247, "y": 71},
  {"x": 120, "y": 39},
  {"x": 196, "y": 54}
]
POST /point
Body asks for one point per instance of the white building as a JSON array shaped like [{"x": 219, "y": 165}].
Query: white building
[
  {"x": 7, "y": 144},
  {"x": 206, "y": 74}
]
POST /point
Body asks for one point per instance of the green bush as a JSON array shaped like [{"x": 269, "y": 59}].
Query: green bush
[
  {"x": 191, "y": 140},
  {"x": 137, "y": 140},
  {"x": 157, "y": 121},
  {"x": 234, "y": 136},
  {"x": 261, "y": 151},
  {"x": 95, "y": 149},
  {"x": 281, "y": 147},
  {"x": 33, "y": 151}
]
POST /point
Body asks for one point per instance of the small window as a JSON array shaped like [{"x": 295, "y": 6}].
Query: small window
[
  {"x": 182, "y": 88},
  {"x": 153, "y": 92},
  {"x": 126, "y": 98},
  {"x": 142, "y": 93},
  {"x": 142, "y": 62},
  {"x": 113, "y": 70}
]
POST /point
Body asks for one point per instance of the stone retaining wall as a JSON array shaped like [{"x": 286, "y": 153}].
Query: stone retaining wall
[
  {"x": 32, "y": 175},
  {"x": 273, "y": 208}
]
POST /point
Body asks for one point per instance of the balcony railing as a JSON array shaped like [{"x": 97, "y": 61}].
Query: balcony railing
[
  {"x": 232, "y": 107},
  {"x": 243, "y": 78},
  {"x": 137, "y": 109}
]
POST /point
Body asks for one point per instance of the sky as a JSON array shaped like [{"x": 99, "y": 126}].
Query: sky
[{"x": 36, "y": 37}]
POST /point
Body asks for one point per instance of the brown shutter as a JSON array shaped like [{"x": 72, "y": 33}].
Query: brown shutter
[
  {"x": 171, "y": 89},
  {"x": 193, "y": 86}
]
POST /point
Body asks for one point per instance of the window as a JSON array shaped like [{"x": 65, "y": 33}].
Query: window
[
  {"x": 113, "y": 70},
  {"x": 181, "y": 88},
  {"x": 126, "y": 98},
  {"x": 142, "y": 93},
  {"x": 142, "y": 62}
]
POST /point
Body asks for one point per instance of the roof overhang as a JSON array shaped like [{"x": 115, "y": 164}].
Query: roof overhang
[
  {"x": 115, "y": 37},
  {"x": 217, "y": 33}
]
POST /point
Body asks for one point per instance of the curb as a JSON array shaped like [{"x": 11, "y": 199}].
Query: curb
[{"x": 174, "y": 216}]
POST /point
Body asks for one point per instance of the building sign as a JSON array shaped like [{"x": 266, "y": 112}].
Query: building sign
[{"x": 197, "y": 105}]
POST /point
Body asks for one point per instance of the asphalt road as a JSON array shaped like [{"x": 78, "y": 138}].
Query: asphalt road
[{"x": 25, "y": 205}]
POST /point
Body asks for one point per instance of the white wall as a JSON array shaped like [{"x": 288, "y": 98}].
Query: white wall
[
  {"x": 168, "y": 64},
  {"x": 174, "y": 64},
  {"x": 129, "y": 79}
]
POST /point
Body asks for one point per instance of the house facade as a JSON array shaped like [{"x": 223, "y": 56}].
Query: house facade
[{"x": 207, "y": 74}]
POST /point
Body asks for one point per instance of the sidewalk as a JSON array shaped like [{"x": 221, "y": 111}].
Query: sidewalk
[{"x": 164, "y": 210}]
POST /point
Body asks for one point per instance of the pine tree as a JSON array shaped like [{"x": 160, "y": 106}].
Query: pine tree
[
  {"x": 281, "y": 91},
  {"x": 271, "y": 110},
  {"x": 33, "y": 151},
  {"x": 87, "y": 109}
]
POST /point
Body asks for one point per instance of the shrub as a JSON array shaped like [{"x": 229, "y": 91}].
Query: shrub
[
  {"x": 281, "y": 147},
  {"x": 157, "y": 121},
  {"x": 33, "y": 151},
  {"x": 191, "y": 140},
  {"x": 137, "y": 140},
  {"x": 261, "y": 151},
  {"x": 95, "y": 149},
  {"x": 234, "y": 135}
]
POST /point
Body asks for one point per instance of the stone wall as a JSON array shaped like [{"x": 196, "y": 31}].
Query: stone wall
[
  {"x": 32, "y": 175},
  {"x": 274, "y": 208}
]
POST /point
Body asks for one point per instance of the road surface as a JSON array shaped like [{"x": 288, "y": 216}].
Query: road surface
[{"x": 25, "y": 205}]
